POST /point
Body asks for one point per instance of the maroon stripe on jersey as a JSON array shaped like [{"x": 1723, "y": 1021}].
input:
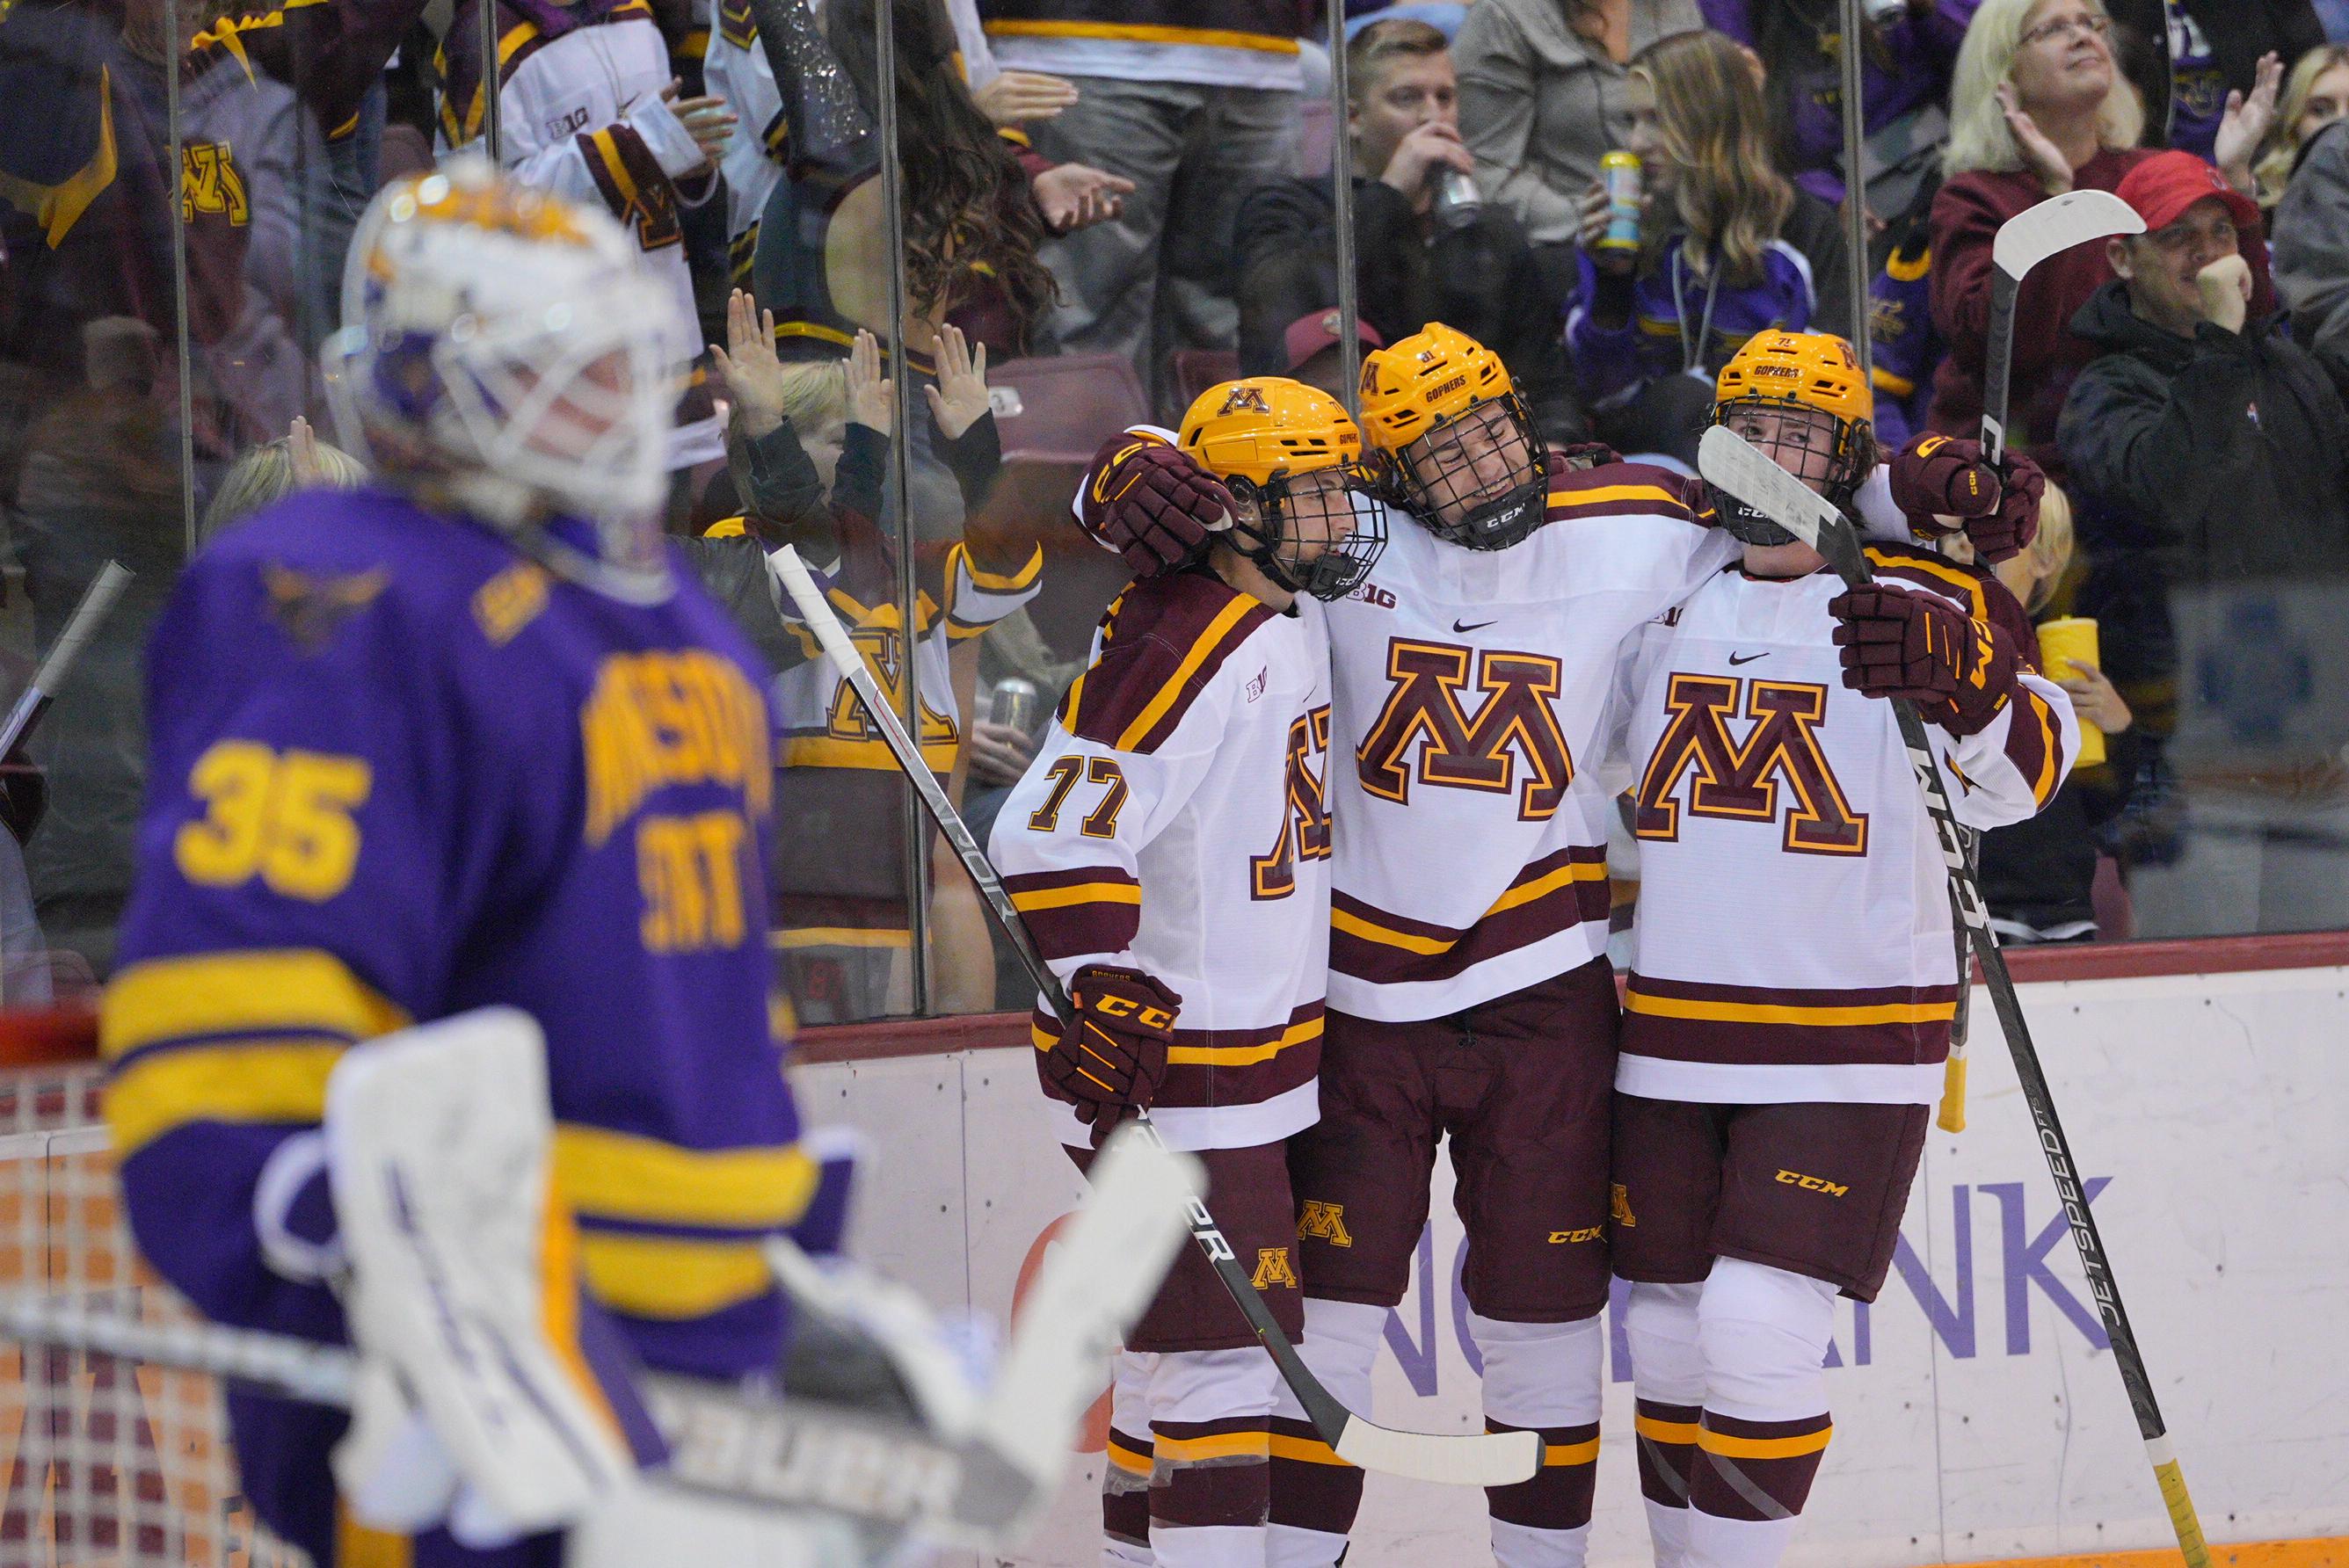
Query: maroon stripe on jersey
[
  {"x": 1912, "y": 567},
  {"x": 1757, "y": 1486},
  {"x": 2033, "y": 738},
  {"x": 1384, "y": 962},
  {"x": 1307, "y": 1494},
  {"x": 1571, "y": 492},
  {"x": 1197, "y": 1085},
  {"x": 1074, "y": 876},
  {"x": 1103, "y": 925},
  {"x": 1161, "y": 645},
  {"x": 1771, "y": 995},
  {"x": 1559, "y": 1498},
  {"x": 1785, "y": 1045}
]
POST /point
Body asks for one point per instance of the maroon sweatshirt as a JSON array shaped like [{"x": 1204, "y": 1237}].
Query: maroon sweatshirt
[{"x": 2047, "y": 357}]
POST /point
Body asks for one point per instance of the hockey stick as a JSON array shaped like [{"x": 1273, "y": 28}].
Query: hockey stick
[
  {"x": 2031, "y": 236},
  {"x": 1728, "y": 460},
  {"x": 2025, "y": 239},
  {"x": 97, "y": 601},
  {"x": 1467, "y": 1458},
  {"x": 979, "y": 1493}
]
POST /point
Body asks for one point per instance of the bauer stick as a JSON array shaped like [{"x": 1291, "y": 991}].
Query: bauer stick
[
  {"x": 979, "y": 1494},
  {"x": 1466, "y": 1458},
  {"x": 1725, "y": 458},
  {"x": 2031, "y": 236}
]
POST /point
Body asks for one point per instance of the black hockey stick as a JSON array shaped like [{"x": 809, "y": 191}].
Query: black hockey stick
[
  {"x": 1727, "y": 461},
  {"x": 1466, "y": 1458},
  {"x": 2031, "y": 236}
]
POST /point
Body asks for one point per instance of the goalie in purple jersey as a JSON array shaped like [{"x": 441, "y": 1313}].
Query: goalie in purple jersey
[{"x": 465, "y": 747}]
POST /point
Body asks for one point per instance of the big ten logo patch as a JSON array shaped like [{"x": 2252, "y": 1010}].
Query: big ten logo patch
[
  {"x": 1514, "y": 724},
  {"x": 210, "y": 183},
  {"x": 1321, "y": 1222},
  {"x": 1738, "y": 781},
  {"x": 1273, "y": 1268},
  {"x": 1374, "y": 595}
]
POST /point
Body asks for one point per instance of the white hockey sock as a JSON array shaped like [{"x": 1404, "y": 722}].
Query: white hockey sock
[
  {"x": 1764, "y": 1334},
  {"x": 1668, "y": 1379},
  {"x": 1544, "y": 1378},
  {"x": 1314, "y": 1499},
  {"x": 1210, "y": 1417}
]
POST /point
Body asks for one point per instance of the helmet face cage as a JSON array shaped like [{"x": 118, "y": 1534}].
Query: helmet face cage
[
  {"x": 1478, "y": 478},
  {"x": 1828, "y": 453},
  {"x": 1328, "y": 503}
]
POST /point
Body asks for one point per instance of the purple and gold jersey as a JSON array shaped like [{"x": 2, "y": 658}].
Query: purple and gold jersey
[{"x": 398, "y": 771}]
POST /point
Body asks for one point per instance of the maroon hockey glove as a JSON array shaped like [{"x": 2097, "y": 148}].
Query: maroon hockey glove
[
  {"x": 1902, "y": 642},
  {"x": 2008, "y": 530},
  {"x": 1113, "y": 1055},
  {"x": 1935, "y": 476},
  {"x": 1152, "y": 504}
]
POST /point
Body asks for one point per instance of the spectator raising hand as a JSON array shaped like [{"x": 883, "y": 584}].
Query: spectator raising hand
[
  {"x": 959, "y": 399},
  {"x": 753, "y": 375},
  {"x": 870, "y": 393},
  {"x": 2244, "y": 126}
]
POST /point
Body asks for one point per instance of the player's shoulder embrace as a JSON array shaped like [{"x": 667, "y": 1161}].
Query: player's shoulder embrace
[
  {"x": 1161, "y": 645},
  {"x": 1627, "y": 490},
  {"x": 1914, "y": 566}
]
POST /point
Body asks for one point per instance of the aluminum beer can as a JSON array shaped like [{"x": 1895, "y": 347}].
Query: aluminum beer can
[
  {"x": 2066, "y": 645},
  {"x": 1457, "y": 201},
  {"x": 1015, "y": 704},
  {"x": 1618, "y": 174}
]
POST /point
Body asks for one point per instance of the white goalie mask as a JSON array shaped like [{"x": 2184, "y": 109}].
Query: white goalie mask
[{"x": 504, "y": 347}]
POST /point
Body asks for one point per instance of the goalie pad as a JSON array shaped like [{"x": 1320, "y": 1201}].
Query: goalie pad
[{"x": 463, "y": 1299}]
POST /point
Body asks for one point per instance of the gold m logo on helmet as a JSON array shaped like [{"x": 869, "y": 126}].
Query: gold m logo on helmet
[
  {"x": 1243, "y": 396},
  {"x": 1324, "y": 1221},
  {"x": 1812, "y": 1183},
  {"x": 1272, "y": 1268}
]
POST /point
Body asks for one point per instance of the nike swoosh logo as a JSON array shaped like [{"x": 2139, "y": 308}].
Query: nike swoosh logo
[
  {"x": 1745, "y": 658},
  {"x": 1470, "y": 627}
]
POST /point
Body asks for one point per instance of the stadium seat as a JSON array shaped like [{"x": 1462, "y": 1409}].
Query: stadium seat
[{"x": 1058, "y": 410}]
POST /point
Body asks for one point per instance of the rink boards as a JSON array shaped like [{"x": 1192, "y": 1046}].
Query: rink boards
[{"x": 1978, "y": 1416}]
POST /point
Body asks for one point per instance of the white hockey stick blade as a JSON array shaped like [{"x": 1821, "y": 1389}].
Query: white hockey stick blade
[
  {"x": 1733, "y": 463},
  {"x": 2058, "y": 225},
  {"x": 1493, "y": 1459},
  {"x": 1100, "y": 1275}
]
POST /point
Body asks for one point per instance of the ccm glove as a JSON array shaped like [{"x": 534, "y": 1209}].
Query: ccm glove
[
  {"x": 1935, "y": 476},
  {"x": 1152, "y": 504},
  {"x": 1112, "y": 1054},
  {"x": 1903, "y": 644}
]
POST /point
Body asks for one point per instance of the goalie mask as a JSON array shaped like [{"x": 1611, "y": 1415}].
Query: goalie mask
[
  {"x": 1798, "y": 397},
  {"x": 1456, "y": 443},
  {"x": 506, "y": 353},
  {"x": 1292, "y": 459}
]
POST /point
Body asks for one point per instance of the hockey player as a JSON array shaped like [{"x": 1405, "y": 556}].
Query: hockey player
[
  {"x": 1169, "y": 848},
  {"x": 1470, "y": 997},
  {"x": 1469, "y": 993},
  {"x": 459, "y": 741},
  {"x": 588, "y": 111},
  {"x": 1788, "y": 1010}
]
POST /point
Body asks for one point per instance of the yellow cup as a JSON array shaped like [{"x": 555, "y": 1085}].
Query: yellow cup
[{"x": 2071, "y": 640}]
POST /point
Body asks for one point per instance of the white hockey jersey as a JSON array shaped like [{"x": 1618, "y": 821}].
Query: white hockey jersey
[
  {"x": 1175, "y": 822},
  {"x": 1793, "y": 939},
  {"x": 580, "y": 112},
  {"x": 736, "y": 69},
  {"x": 1467, "y": 687}
]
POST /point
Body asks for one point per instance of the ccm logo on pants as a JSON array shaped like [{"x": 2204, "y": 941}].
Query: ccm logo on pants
[{"x": 1813, "y": 1184}]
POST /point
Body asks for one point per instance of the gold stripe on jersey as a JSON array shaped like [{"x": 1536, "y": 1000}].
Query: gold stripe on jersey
[
  {"x": 1144, "y": 33},
  {"x": 1654, "y": 1431},
  {"x": 794, "y": 938},
  {"x": 277, "y": 1081},
  {"x": 2050, "y": 741},
  {"x": 1229, "y": 617},
  {"x": 1825, "y": 1017},
  {"x": 1559, "y": 880},
  {"x": 1600, "y": 496},
  {"x": 1079, "y": 893},
  {"x": 623, "y": 1176},
  {"x": 1948, "y": 577},
  {"x": 277, "y": 990},
  {"x": 664, "y": 1277},
  {"x": 997, "y": 582},
  {"x": 1253, "y": 1445},
  {"x": 1735, "y": 1448}
]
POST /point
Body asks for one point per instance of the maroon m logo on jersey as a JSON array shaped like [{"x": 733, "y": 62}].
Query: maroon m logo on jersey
[
  {"x": 1741, "y": 782},
  {"x": 1305, "y": 814},
  {"x": 1514, "y": 722}
]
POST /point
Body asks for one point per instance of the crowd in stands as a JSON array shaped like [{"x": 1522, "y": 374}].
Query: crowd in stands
[{"x": 1108, "y": 205}]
